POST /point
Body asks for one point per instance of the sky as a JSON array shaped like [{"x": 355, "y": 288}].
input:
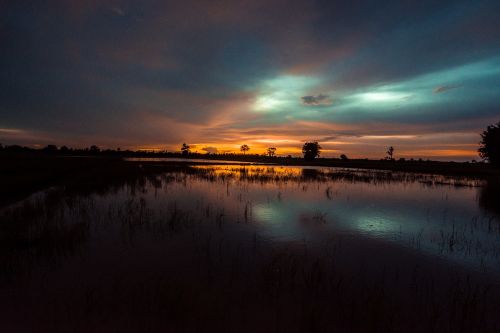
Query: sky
[{"x": 356, "y": 76}]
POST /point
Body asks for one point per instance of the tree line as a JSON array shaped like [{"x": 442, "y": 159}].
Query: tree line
[{"x": 489, "y": 149}]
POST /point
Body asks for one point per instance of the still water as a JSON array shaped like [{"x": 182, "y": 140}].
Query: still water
[
  {"x": 253, "y": 246},
  {"x": 430, "y": 215}
]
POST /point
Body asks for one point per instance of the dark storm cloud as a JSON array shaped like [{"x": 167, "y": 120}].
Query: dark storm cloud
[
  {"x": 442, "y": 89},
  {"x": 405, "y": 39},
  {"x": 150, "y": 70},
  {"x": 320, "y": 99}
]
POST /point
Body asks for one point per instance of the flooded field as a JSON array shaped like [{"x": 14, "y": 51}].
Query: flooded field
[{"x": 255, "y": 248}]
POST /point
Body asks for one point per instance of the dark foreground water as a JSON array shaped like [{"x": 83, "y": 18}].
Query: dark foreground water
[{"x": 255, "y": 249}]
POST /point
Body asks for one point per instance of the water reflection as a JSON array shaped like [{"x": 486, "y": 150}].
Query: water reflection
[
  {"x": 433, "y": 214},
  {"x": 286, "y": 235},
  {"x": 489, "y": 196},
  {"x": 308, "y": 173}
]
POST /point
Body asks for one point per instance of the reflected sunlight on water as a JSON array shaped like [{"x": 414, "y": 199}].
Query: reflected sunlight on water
[{"x": 206, "y": 222}]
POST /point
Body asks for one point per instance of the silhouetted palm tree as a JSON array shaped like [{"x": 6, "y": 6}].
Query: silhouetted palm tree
[
  {"x": 185, "y": 149},
  {"x": 244, "y": 148},
  {"x": 311, "y": 150},
  {"x": 490, "y": 144},
  {"x": 271, "y": 151},
  {"x": 390, "y": 153}
]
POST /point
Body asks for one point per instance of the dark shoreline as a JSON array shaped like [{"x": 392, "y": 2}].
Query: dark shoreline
[
  {"x": 24, "y": 174},
  {"x": 478, "y": 170}
]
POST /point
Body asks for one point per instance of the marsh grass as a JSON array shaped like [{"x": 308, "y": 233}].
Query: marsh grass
[{"x": 186, "y": 262}]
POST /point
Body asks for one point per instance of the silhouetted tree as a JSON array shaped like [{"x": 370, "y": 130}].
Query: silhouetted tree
[
  {"x": 390, "y": 153},
  {"x": 311, "y": 150},
  {"x": 271, "y": 151},
  {"x": 344, "y": 157},
  {"x": 244, "y": 148},
  {"x": 50, "y": 149},
  {"x": 185, "y": 149},
  {"x": 94, "y": 149},
  {"x": 490, "y": 144},
  {"x": 14, "y": 149}
]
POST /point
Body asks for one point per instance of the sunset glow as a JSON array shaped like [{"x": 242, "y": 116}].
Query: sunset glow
[
  {"x": 250, "y": 166},
  {"x": 152, "y": 76}
]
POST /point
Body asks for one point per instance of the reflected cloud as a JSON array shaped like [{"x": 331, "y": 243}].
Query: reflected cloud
[{"x": 377, "y": 226}]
